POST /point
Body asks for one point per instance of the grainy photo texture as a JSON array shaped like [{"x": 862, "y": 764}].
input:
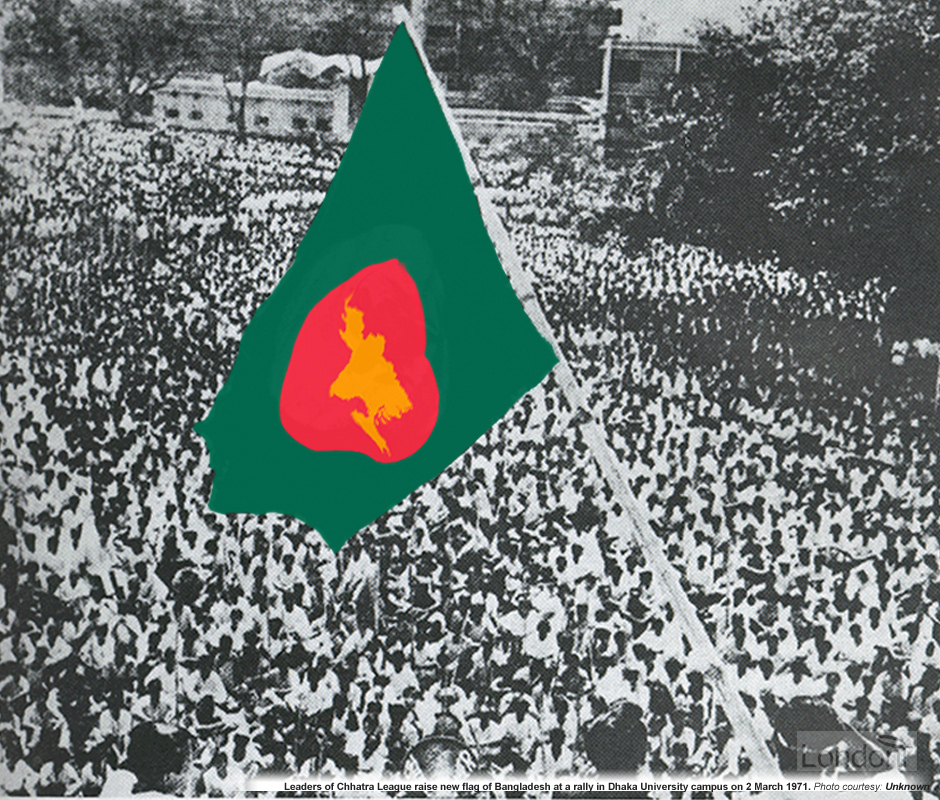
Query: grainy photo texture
[{"x": 705, "y": 548}]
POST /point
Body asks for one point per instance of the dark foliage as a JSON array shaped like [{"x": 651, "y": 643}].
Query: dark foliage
[{"x": 813, "y": 136}]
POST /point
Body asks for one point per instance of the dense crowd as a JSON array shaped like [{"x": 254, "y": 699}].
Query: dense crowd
[
  {"x": 141, "y": 632},
  {"x": 786, "y": 456}
]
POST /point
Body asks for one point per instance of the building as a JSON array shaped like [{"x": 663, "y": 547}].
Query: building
[
  {"x": 279, "y": 111},
  {"x": 634, "y": 72},
  {"x": 191, "y": 102},
  {"x": 270, "y": 109}
]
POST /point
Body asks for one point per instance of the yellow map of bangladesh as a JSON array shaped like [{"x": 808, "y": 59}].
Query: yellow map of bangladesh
[{"x": 369, "y": 377}]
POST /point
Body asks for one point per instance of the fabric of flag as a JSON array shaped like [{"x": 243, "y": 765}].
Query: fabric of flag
[{"x": 393, "y": 342}]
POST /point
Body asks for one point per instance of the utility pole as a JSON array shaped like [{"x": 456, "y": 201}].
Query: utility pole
[
  {"x": 419, "y": 20},
  {"x": 605, "y": 82},
  {"x": 5, "y": 19}
]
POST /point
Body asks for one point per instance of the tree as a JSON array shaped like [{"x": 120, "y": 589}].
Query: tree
[
  {"x": 134, "y": 47},
  {"x": 361, "y": 27},
  {"x": 518, "y": 51},
  {"x": 41, "y": 39},
  {"x": 6, "y": 18},
  {"x": 239, "y": 34},
  {"x": 815, "y": 134}
]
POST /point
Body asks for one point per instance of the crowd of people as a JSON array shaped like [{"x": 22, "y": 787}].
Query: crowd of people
[
  {"x": 789, "y": 464},
  {"x": 142, "y": 633}
]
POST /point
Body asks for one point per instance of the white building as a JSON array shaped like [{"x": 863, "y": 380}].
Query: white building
[{"x": 270, "y": 109}]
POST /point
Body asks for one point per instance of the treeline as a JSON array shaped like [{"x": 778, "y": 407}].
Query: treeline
[
  {"x": 115, "y": 53},
  {"x": 515, "y": 54},
  {"x": 812, "y": 136}
]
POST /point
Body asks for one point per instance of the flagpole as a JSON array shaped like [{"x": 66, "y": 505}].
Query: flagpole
[{"x": 637, "y": 525}]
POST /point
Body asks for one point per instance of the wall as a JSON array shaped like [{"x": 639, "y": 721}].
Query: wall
[
  {"x": 193, "y": 104},
  {"x": 277, "y": 111},
  {"x": 269, "y": 110},
  {"x": 655, "y": 64},
  {"x": 487, "y": 125}
]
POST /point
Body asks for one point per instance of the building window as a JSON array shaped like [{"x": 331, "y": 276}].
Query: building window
[
  {"x": 625, "y": 71},
  {"x": 261, "y": 120},
  {"x": 299, "y": 123},
  {"x": 172, "y": 113},
  {"x": 323, "y": 124},
  {"x": 195, "y": 114}
]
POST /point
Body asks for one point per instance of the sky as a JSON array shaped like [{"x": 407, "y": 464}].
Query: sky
[{"x": 672, "y": 18}]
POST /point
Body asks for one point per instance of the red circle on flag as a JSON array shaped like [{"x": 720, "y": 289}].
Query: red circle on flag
[{"x": 358, "y": 378}]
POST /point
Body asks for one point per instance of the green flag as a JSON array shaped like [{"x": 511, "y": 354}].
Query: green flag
[{"x": 393, "y": 342}]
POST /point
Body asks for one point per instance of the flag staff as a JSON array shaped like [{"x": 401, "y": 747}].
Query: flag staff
[
  {"x": 418, "y": 28},
  {"x": 635, "y": 523}
]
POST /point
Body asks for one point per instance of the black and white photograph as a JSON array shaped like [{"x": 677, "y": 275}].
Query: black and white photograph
[{"x": 700, "y": 559}]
